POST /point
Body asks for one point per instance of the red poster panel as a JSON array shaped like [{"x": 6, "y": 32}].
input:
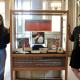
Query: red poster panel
[{"x": 38, "y": 25}]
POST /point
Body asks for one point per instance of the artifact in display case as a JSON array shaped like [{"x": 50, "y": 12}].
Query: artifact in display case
[
  {"x": 23, "y": 45},
  {"x": 43, "y": 50},
  {"x": 60, "y": 50},
  {"x": 38, "y": 25},
  {"x": 53, "y": 43},
  {"x": 38, "y": 38}
]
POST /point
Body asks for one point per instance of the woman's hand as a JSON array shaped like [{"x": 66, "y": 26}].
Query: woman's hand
[
  {"x": 69, "y": 30},
  {"x": 9, "y": 30}
]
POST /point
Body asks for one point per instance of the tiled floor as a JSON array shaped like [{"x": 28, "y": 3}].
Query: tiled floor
[{"x": 71, "y": 76}]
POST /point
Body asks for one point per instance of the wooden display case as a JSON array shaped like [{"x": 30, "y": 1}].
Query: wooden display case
[{"x": 48, "y": 55}]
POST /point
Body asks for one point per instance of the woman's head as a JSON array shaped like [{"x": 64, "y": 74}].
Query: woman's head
[
  {"x": 1, "y": 20},
  {"x": 79, "y": 16}
]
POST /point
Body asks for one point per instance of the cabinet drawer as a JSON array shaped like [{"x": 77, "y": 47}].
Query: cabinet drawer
[{"x": 39, "y": 62}]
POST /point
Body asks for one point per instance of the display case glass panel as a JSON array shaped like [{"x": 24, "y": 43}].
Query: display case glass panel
[
  {"x": 38, "y": 4},
  {"x": 53, "y": 36}
]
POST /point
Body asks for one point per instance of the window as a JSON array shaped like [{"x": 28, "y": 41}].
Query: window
[
  {"x": 21, "y": 4},
  {"x": 56, "y": 23}
]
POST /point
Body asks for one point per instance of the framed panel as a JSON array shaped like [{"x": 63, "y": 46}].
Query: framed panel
[
  {"x": 23, "y": 42},
  {"x": 37, "y": 25},
  {"x": 38, "y": 38}
]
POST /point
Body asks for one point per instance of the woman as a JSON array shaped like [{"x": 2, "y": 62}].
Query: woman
[
  {"x": 4, "y": 40},
  {"x": 75, "y": 57}
]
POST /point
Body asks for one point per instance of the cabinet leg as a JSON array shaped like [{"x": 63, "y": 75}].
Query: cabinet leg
[
  {"x": 66, "y": 75},
  {"x": 13, "y": 75}
]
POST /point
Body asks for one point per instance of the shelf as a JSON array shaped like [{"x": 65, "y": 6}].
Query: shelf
[
  {"x": 57, "y": 78},
  {"x": 37, "y": 55},
  {"x": 47, "y": 12},
  {"x": 39, "y": 68}
]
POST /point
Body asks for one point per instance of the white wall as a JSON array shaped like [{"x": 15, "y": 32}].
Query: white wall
[
  {"x": 7, "y": 66},
  {"x": 72, "y": 20}
]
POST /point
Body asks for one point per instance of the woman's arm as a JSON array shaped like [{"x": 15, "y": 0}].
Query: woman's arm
[
  {"x": 70, "y": 34},
  {"x": 7, "y": 35}
]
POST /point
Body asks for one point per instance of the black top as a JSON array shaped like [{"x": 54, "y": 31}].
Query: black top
[
  {"x": 75, "y": 56},
  {"x": 75, "y": 37},
  {"x": 4, "y": 37}
]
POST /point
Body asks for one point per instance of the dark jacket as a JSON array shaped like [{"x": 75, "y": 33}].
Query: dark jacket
[
  {"x": 75, "y": 37},
  {"x": 4, "y": 38}
]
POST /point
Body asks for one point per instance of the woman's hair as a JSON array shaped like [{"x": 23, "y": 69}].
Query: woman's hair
[
  {"x": 2, "y": 21},
  {"x": 79, "y": 15}
]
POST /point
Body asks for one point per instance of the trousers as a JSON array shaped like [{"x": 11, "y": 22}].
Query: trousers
[{"x": 2, "y": 63}]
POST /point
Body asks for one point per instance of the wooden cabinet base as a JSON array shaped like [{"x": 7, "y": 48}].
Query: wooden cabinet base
[{"x": 58, "y": 78}]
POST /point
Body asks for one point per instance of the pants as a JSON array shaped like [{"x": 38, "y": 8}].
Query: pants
[{"x": 2, "y": 63}]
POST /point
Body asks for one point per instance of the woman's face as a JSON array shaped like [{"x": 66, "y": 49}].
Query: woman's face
[{"x": 0, "y": 20}]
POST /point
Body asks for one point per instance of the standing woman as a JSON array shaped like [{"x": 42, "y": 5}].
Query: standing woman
[
  {"x": 4, "y": 40},
  {"x": 75, "y": 57}
]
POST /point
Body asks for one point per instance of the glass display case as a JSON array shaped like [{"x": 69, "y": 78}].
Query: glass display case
[
  {"x": 77, "y": 12},
  {"x": 39, "y": 40},
  {"x": 39, "y": 4}
]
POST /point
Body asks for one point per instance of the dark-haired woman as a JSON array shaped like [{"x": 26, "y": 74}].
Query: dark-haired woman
[
  {"x": 75, "y": 57},
  {"x": 4, "y": 40}
]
